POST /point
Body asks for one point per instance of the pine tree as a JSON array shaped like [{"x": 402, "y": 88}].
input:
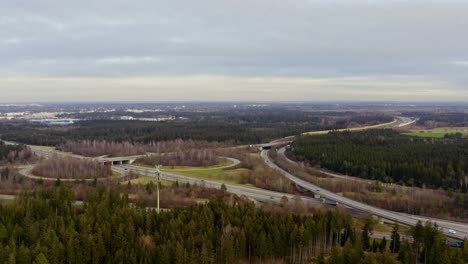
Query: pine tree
[
  {"x": 40, "y": 259},
  {"x": 383, "y": 245},
  {"x": 365, "y": 237},
  {"x": 395, "y": 243}
]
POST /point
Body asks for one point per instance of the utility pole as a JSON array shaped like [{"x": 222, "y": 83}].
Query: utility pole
[{"x": 158, "y": 180}]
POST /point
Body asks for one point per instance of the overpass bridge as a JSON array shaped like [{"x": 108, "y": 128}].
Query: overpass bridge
[
  {"x": 115, "y": 161},
  {"x": 111, "y": 161}
]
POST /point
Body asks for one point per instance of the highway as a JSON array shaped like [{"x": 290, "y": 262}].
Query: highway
[
  {"x": 25, "y": 172},
  {"x": 252, "y": 193},
  {"x": 410, "y": 220},
  {"x": 7, "y": 197},
  {"x": 123, "y": 169},
  {"x": 234, "y": 163},
  {"x": 265, "y": 195},
  {"x": 282, "y": 154},
  {"x": 404, "y": 121}
]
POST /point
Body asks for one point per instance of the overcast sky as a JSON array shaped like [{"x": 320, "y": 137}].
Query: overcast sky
[{"x": 229, "y": 50}]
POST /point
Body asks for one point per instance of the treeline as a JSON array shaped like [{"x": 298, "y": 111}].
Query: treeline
[
  {"x": 45, "y": 227},
  {"x": 433, "y": 120},
  {"x": 14, "y": 153},
  {"x": 387, "y": 156},
  {"x": 240, "y": 128},
  {"x": 71, "y": 168},
  {"x": 267, "y": 178},
  {"x": 412, "y": 200},
  {"x": 94, "y": 148},
  {"x": 193, "y": 157}
]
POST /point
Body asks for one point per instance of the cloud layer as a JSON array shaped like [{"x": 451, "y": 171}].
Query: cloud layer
[{"x": 234, "y": 50}]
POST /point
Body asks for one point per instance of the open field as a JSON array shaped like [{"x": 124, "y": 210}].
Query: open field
[
  {"x": 219, "y": 175},
  {"x": 143, "y": 180},
  {"x": 47, "y": 148},
  {"x": 351, "y": 129},
  {"x": 29, "y": 174},
  {"x": 222, "y": 164},
  {"x": 6, "y": 202},
  {"x": 438, "y": 132}
]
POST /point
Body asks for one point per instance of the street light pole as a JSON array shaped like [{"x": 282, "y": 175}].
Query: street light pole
[{"x": 158, "y": 180}]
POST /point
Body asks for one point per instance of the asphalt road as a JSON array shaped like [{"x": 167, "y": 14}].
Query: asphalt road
[
  {"x": 265, "y": 195},
  {"x": 25, "y": 172},
  {"x": 282, "y": 154},
  {"x": 252, "y": 193},
  {"x": 233, "y": 163},
  {"x": 460, "y": 228}
]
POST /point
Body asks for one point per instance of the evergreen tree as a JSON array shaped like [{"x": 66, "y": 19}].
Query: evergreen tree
[
  {"x": 365, "y": 237},
  {"x": 41, "y": 259},
  {"x": 395, "y": 243},
  {"x": 383, "y": 245}
]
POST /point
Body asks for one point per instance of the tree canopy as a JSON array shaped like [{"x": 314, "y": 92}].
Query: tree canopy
[{"x": 388, "y": 156}]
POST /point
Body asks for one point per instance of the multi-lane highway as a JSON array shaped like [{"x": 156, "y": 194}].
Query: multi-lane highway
[
  {"x": 460, "y": 228},
  {"x": 403, "y": 121},
  {"x": 123, "y": 169},
  {"x": 252, "y": 193},
  {"x": 265, "y": 195}
]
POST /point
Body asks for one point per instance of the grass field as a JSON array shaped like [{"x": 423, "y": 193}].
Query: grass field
[
  {"x": 322, "y": 132},
  {"x": 43, "y": 147},
  {"x": 437, "y": 132},
  {"x": 143, "y": 180},
  {"x": 223, "y": 163},
  {"x": 6, "y": 202},
  {"x": 219, "y": 175},
  {"x": 115, "y": 174}
]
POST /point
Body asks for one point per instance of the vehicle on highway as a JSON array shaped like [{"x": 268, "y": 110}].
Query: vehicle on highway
[{"x": 451, "y": 231}]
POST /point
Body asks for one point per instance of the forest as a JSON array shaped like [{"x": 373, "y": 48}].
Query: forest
[
  {"x": 444, "y": 119},
  {"x": 95, "y": 148},
  {"x": 240, "y": 128},
  {"x": 14, "y": 153},
  {"x": 192, "y": 158},
  {"x": 71, "y": 168},
  {"x": 388, "y": 156},
  {"x": 45, "y": 226}
]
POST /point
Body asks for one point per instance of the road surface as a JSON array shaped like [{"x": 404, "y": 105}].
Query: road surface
[
  {"x": 460, "y": 228},
  {"x": 233, "y": 163},
  {"x": 252, "y": 193},
  {"x": 404, "y": 121},
  {"x": 25, "y": 172},
  {"x": 282, "y": 154},
  {"x": 265, "y": 195}
]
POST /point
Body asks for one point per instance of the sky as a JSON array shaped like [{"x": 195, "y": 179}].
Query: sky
[{"x": 233, "y": 50}]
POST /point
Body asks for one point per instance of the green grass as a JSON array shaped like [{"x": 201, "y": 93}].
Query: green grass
[
  {"x": 6, "y": 202},
  {"x": 44, "y": 147},
  {"x": 222, "y": 163},
  {"x": 219, "y": 175},
  {"x": 437, "y": 132},
  {"x": 425, "y": 134},
  {"x": 115, "y": 174},
  {"x": 143, "y": 180}
]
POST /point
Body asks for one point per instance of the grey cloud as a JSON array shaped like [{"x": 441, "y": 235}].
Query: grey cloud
[{"x": 295, "y": 38}]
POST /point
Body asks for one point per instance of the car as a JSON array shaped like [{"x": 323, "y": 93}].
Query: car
[{"x": 451, "y": 231}]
